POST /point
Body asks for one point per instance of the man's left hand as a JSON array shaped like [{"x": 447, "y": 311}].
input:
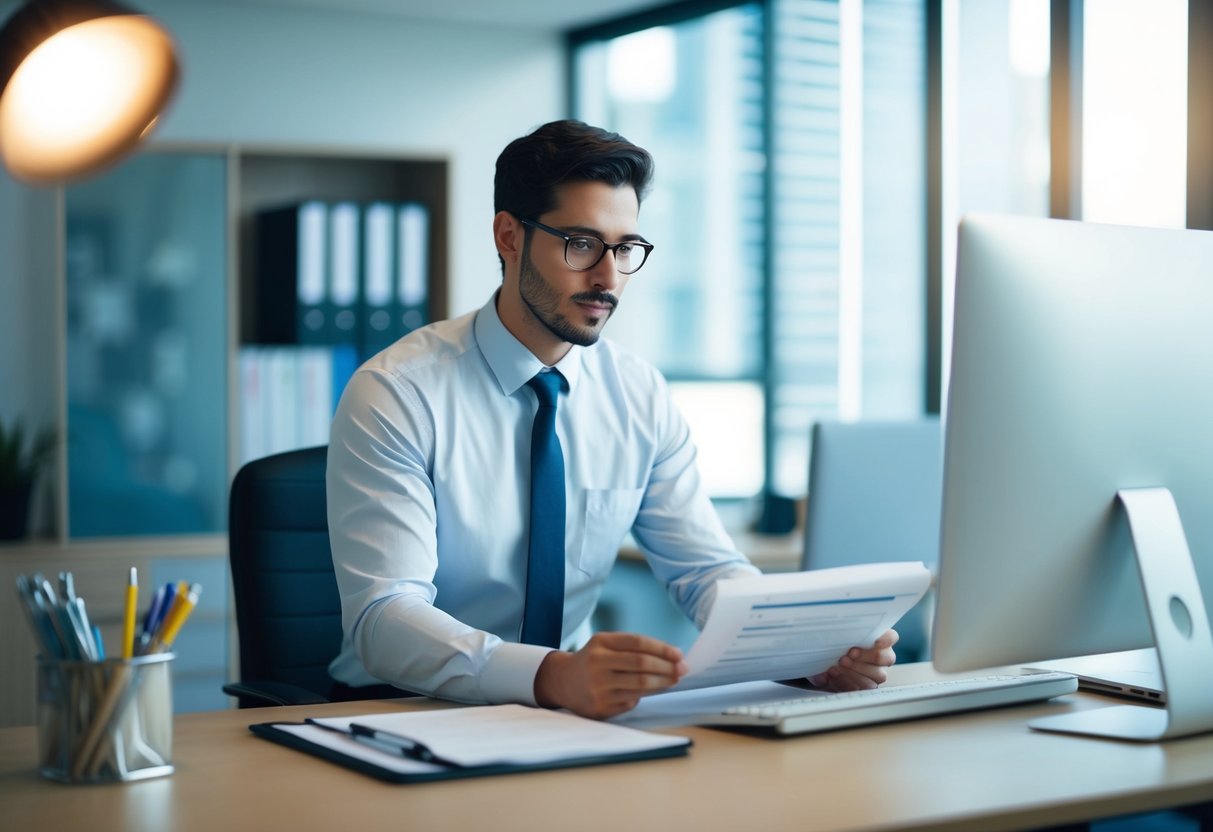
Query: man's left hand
[{"x": 860, "y": 669}]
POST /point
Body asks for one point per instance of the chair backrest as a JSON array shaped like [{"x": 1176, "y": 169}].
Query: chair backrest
[
  {"x": 288, "y": 611},
  {"x": 875, "y": 493}
]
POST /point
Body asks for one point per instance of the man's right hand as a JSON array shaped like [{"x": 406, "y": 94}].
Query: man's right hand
[{"x": 609, "y": 675}]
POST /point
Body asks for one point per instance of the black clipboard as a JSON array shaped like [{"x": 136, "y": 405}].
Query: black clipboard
[{"x": 273, "y": 732}]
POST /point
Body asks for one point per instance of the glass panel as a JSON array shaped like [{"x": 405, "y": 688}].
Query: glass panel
[
  {"x": 691, "y": 94},
  {"x": 146, "y": 265},
  {"x": 849, "y": 270},
  {"x": 846, "y": 141},
  {"x": 725, "y": 419},
  {"x": 996, "y": 119},
  {"x": 1134, "y": 112}
]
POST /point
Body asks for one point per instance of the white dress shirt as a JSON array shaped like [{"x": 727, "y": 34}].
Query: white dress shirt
[{"x": 428, "y": 493}]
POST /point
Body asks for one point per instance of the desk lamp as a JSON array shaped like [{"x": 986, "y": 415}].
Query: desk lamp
[{"x": 81, "y": 82}]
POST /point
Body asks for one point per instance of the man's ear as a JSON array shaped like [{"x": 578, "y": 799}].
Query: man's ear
[{"x": 508, "y": 236}]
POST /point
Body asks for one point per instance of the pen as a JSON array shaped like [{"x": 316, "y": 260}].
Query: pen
[
  {"x": 152, "y": 635},
  {"x": 128, "y": 617},
  {"x": 151, "y": 618},
  {"x": 67, "y": 587},
  {"x": 183, "y": 605},
  {"x": 83, "y": 630},
  {"x": 44, "y": 631},
  {"x": 45, "y": 594},
  {"x": 403, "y": 746}
]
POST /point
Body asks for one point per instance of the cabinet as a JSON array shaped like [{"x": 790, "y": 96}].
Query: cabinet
[{"x": 158, "y": 295}]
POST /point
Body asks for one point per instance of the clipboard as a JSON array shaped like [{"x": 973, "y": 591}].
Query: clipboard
[{"x": 507, "y": 739}]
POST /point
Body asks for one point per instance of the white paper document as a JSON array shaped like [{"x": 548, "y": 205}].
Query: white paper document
[
  {"x": 489, "y": 735},
  {"x": 797, "y": 624}
]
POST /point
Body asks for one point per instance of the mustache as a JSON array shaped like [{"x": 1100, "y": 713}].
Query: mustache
[{"x": 596, "y": 297}]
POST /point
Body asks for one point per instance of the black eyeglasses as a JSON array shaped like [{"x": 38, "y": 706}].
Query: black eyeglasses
[{"x": 583, "y": 251}]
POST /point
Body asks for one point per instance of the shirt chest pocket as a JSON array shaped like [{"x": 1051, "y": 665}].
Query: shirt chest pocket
[{"x": 609, "y": 514}]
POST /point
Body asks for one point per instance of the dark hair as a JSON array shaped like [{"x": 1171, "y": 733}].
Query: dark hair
[{"x": 531, "y": 167}]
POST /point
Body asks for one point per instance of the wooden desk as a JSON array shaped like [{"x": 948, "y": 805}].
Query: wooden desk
[
  {"x": 769, "y": 552},
  {"x": 982, "y": 771}
]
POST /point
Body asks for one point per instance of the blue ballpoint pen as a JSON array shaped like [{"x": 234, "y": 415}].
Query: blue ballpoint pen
[{"x": 155, "y": 613}]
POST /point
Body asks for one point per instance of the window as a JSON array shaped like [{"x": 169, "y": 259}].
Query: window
[
  {"x": 806, "y": 253},
  {"x": 691, "y": 93},
  {"x": 788, "y": 213},
  {"x": 995, "y": 66},
  {"x": 1134, "y": 112}
]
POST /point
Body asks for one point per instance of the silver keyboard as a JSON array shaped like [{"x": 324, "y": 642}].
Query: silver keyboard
[{"x": 891, "y": 703}]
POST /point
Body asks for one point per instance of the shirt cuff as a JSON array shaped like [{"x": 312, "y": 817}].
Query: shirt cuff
[{"x": 509, "y": 673}]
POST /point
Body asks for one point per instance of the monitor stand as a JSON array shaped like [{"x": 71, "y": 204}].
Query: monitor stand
[{"x": 1181, "y": 631}]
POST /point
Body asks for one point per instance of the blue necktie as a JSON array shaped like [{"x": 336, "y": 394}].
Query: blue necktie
[{"x": 543, "y": 614}]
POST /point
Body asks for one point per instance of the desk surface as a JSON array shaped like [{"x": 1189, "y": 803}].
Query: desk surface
[
  {"x": 976, "y": 771},
  {"x": 769, "y": 552}
]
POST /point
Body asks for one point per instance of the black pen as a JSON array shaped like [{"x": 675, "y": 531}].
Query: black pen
[{"x": 406, "y": 747}]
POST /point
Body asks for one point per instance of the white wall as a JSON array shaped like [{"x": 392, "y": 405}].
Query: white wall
[
  {"x": 255, "y": 75},
  {"x": 311, "y": 79}
]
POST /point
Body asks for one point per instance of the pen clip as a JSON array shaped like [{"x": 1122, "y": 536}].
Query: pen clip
[
  {"x": 410, "y": 748},
  {"x": 386, "y": 742},
  {"x": 67, "y": 587}
]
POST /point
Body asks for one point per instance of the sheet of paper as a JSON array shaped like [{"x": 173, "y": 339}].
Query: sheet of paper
[
  {"x": 796, "y": 624},
  {"x": 513, "y": 734}
]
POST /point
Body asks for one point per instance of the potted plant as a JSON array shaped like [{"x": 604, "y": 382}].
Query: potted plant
[{"x": 20, "y": 463}]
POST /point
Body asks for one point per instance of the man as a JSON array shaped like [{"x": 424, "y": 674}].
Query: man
[{"x": 430, "y": 507}]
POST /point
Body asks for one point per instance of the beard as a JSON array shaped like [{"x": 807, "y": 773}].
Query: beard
[{"x": 544, "y": 301}]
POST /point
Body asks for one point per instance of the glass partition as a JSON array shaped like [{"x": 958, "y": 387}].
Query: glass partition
[{"x": 146, "y": 272}]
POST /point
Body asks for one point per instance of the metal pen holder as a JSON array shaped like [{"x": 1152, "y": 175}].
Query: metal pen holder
[{"x": 105, "y": 721}]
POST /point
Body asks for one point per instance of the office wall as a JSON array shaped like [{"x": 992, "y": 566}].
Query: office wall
[{"x": 340, "y": 81}]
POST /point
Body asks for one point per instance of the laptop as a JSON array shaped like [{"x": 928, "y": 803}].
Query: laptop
[{"x": 1131, "y": 673}]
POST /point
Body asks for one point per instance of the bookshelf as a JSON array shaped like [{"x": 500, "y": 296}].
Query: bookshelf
[
  {"x": 275, "y": 354},
  {"x": 157, "y": 289},
  {"x": 272, "y": 179}
]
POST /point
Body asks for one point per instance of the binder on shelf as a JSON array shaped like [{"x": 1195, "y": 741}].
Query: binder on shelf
[
  {"x": 345, "y": 362},
  {"x": 380, "y": 300},
  {"x": 423, "y": 746},
  {"x": 288, "y": 395},
  {"x": 412, "y": 263},
  {"x": 344, "y": 269},
  {"x": 291, "y": 263},
  {"x": 252, "y": 400},
  {"x": 314, "y": 370},
  {"x": 282, "y": 400}
]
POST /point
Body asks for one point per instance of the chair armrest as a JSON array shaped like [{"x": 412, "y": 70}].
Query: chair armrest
[{"x": 257, "y": 694}]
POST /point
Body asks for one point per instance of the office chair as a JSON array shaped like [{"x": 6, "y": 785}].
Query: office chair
[
  {"x": 875, "y": 494},
  {"x": 288, "y": 611}
]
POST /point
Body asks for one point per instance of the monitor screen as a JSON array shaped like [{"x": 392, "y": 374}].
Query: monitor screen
[{"x": 1082, "y": 364}]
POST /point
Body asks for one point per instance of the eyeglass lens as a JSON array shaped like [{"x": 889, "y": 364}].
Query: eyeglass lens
[{"x": 584, "y": 253}]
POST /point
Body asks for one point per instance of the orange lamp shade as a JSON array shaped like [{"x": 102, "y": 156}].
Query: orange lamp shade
[{"x": 80, "y": 85}]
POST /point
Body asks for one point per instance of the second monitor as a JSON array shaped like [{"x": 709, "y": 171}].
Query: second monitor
[{"x": 1078, "y": 458}]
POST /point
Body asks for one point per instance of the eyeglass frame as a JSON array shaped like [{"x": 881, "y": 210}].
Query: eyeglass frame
[{"x": 645, "y": 245}]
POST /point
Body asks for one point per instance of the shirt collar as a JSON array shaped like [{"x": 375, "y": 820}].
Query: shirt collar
[{"x": 512, "y": 364}]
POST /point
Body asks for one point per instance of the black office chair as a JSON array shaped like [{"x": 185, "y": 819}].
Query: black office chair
[{"x": 288, "y": 611}]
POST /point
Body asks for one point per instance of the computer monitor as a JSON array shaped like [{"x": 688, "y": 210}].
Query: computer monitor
[{"x": 1078, "y": 455}]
